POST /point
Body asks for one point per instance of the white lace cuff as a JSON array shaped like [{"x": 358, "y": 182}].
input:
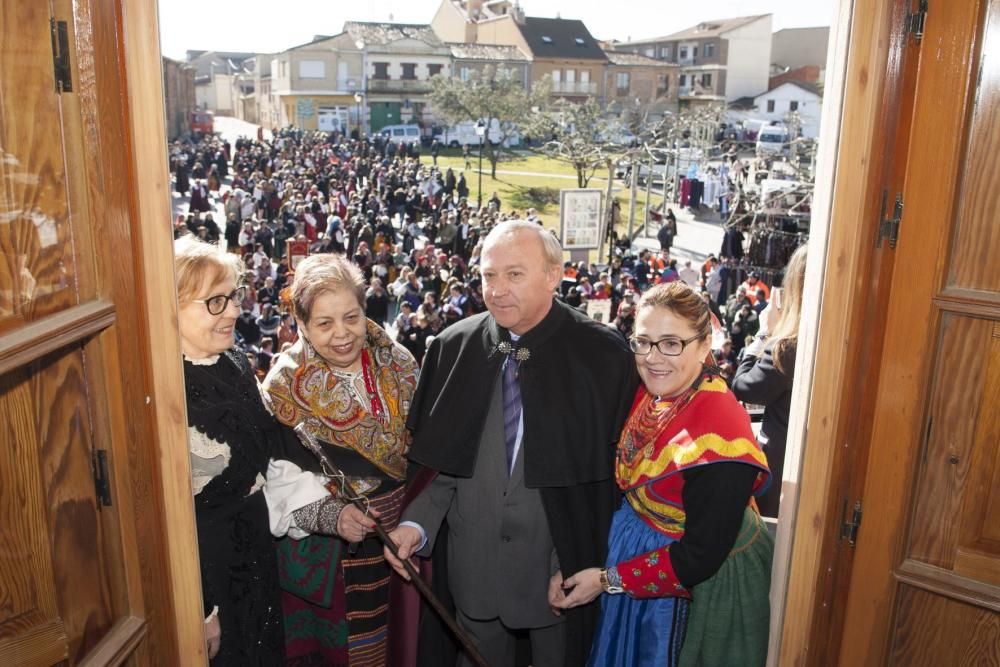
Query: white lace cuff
[{"x": 289, "y": 488}]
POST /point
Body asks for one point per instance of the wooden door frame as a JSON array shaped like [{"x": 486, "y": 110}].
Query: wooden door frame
[
  {"x": 834, "y": 371},
  {"x": 142, "y": 78}
]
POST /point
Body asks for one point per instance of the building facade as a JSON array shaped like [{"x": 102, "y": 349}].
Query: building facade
[
  {"x": 718, "y": 61},
  {"x": 313, "y": 85},
  {"x": 178, "y": 96},
  {"x": 632, "y": 79},
  {"x": 214, "y": 78},
  {"x": 805, "y": 99},
  {"x": 399, "y": 61},
  {"x": 468, "y": 59},
  {"x": 792, "y": 48}
]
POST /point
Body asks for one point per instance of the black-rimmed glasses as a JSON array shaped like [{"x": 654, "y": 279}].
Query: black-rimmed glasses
[
  {"x": 670, "y": 346},
  {"x": 217, "y": 304}
]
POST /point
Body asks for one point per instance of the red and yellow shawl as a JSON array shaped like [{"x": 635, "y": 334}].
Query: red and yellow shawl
[{"x": 661, "y": 439}]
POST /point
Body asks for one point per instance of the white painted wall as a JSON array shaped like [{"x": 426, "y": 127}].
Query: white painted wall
[
  {"x": 810, "y": 107},
  {"x": 749, "y": 60}
]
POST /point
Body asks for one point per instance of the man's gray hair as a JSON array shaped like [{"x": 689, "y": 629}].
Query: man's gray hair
[{"x": 551, "y": 248}]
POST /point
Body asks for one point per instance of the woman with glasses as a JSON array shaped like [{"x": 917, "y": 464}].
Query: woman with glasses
[
  {"x": 350, "y": 386},
  {"x": 689, "y": 558},
  {"x": 234, "y": 442}
]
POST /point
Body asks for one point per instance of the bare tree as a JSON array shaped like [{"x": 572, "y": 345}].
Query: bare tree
[{"x": 489, "y": 95}]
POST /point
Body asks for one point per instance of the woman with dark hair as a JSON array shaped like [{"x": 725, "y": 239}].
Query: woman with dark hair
[
  {"x": 689, "y": 559},
  {"x": 350, "y": 386}
]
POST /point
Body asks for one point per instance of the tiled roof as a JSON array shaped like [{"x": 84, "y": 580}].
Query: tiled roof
[
  {"x": 487, "y": 52},
  {"x": 700, "y": 31},
  {"x": 379, "y": 34},
  {"x": 560, "y": 38},
  {"x": 619, "y": 58},
  {"x": 808, "y": 87}
]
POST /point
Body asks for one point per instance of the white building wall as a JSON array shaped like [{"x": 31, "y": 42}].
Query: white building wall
[
  {"x": 749, "y": 59},
  {"x": 224, "y": 103},
  {"x": 810, "y": 107}
]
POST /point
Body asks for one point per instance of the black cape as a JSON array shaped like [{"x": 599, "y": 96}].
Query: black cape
[{"x": 576, "y": 390}]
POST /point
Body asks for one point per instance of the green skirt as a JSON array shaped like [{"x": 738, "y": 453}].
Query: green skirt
[{"x": 730, "y": 612}]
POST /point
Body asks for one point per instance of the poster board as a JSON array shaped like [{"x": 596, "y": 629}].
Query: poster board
[
  {"x": 599, "y": 310},
  {"x": 297, "y": 251},
  {"x": 580, "y": 218}
]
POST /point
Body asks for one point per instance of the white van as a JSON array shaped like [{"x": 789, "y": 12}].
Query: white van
[
  {"x": 401, "y": 134},
  {"x": 464, "y": 134},
  {"x": 772, "y": 140}
]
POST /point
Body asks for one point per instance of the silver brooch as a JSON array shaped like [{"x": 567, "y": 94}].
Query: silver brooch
[{"x": 520, "y": 354}]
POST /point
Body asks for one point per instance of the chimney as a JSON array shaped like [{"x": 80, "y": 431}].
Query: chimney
[{"x": 518, "y": 13}]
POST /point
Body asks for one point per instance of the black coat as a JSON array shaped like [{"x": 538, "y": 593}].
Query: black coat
[
  {"x": 576, "y": 389},
  {"x": 759, "y": 382},
  {"x": 239, "y": 568}
]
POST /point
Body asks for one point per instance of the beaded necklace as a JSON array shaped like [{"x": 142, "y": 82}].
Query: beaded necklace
[{"x": 648, "y": 420}]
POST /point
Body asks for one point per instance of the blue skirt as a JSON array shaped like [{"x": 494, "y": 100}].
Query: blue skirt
[{"x": 635, "y": 632}]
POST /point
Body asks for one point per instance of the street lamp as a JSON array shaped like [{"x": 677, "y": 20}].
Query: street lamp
[
  {"x": 481, "y": 132},
  {"x": 364, "y": 80},
  {"x": 357, "y": 101}
]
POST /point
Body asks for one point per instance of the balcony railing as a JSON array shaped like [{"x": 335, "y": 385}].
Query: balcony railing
[
  {"x": 575, "y": 87},
  {"x": 399, "y": 85}
]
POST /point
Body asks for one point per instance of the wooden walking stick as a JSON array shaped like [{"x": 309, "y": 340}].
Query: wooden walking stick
[{"x": 348, "y": 493}]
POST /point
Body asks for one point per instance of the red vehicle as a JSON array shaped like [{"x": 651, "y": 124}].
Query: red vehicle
[{"x": 202, "y": 121}]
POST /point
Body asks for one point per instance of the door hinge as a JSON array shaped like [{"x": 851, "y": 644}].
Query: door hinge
[
  {"x": 888, "y": 228},
  {"x": 102, "y": 485},
  {"x": 849, "y": 529},
  {"x": 60, "y": 56},
  {"x": 915, "y": 20}
]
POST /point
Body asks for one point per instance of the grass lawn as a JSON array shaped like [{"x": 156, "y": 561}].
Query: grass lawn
[{"x": 541, "y": 192}]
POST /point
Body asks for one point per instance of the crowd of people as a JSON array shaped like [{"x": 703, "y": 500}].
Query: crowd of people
[{"x": 414, "y": 323}]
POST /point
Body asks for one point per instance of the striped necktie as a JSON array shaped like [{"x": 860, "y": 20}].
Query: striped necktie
[{"x": 511, "y": 408}]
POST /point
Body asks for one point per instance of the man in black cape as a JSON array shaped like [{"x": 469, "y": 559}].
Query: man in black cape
[{"x": 520, "y": 458}]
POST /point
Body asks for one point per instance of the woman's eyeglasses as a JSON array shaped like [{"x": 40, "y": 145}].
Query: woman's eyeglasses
[
  {"x": 218, "y": 303},
  {"x": 670, "y": 346}
]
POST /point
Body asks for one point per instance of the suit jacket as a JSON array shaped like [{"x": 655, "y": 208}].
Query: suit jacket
[{"x": 500, "y": 550}]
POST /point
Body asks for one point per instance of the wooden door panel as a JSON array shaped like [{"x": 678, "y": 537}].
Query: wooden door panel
[
  {"x": 61, "y": 571},
  {"x": 934, "y": 630},
  {"x": 37, "y": 271},
  {"x": 978, "y": 551},
  {"x": 948, "y": 453},
  {"x": 976, "y": 247},
  {"x": 29, "y": 614},
  {"x": 65, "y": 444}
]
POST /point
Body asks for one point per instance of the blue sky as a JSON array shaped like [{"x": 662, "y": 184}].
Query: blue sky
[{"x": 274, "y": 25}]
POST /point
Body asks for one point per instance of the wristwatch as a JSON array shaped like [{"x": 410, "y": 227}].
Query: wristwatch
[{"x": 610, "y": 582}]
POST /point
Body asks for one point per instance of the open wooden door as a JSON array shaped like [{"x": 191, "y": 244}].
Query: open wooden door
[
  {"x": 67, "y": 544},
  {"x": 925, "y": 584},
  {"x": 98, "y": 559}
]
